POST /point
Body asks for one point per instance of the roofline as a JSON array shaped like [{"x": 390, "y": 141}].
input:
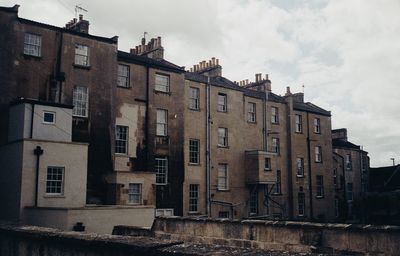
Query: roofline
[
  {"x": 112, "y": 40},
  {"x": 39, "y": 102},
  {"x": 135, "y": 59},
  {"x": 313, "y": 112}
]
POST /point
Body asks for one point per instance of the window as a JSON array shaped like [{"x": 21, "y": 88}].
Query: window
[
  {"x": 275, "y": 145},
  {"x": 223, "y": 177},
  {"x": 164, "y": 212},
  {"x": 364, "y": 163},
  {"x": 267, "y": 164},
  {"x": 222, "y": 102},
  {"x": 162, "y": 122},
  {"x": 348, "y": 162},
  {"x": 161, "y": 168},
  {"x": 82, "y": 55},
  {"x": 121, "y": 139},
  {"x": 55, "y": 180},
  {"x": 32, "y": 45},
  {"x": 299, "y": 124},
  {"x": 193, "y": 198},
  {"x": 349, "y": 191},
  {"x": 194, "y": 98},
  {"x": 222, "y": 137},
  {"x": 123, "y": 76},
  {"x": 318, "y": 154},
  {"x": 278, "y": 184},
  {"x": 301, "y": 201},
  {"x": 317, "y": 125},
  {"x": 194, "y": 151},
  {"x": 253, "y": 203},
  {"x": 162, "y": 83},
  {"x": 336, "y": 207},
  {"x": 320, "y": 186},
  {"x": 274, "y": 115},
  {"x": 335, "y": 177},
  {"x": 300, "y": 166},
  {"x": 80, "y": 101},
  {"x": 49, "y": 117},
  {"x": 251, "y": 112},
  {"x": 223, "y": 215},
  {"x": 135, "y": 193}
]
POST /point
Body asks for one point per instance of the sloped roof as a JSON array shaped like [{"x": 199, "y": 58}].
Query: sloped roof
[
  {"x": 162, "y": 64},
  {"x": 344, "y": 144},
  {"x": 385, "y": 178},
  {"x": 309, "y": 107}
]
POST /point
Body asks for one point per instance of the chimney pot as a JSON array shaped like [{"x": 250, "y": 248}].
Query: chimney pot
[
  {"x": 217, "y": 62},
  {"x": 80, "y": 17},
  {"x": 210, "y": 63},
  {"x": 266, "y": 77},
  {"x": 159, "y": 41},
  {"x": 213, "y": 61},
  {"x": 191, "y": 69}
]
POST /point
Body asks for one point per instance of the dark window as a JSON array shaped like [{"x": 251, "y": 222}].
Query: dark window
[
  {"x": 320, "y": 186},
  {"x": 194, "y": 98},
  {"x": 275, "y": 145},
  {"x": 251, "y": 112},
  {"x": 301, "y": 203},
  {"x": 49, "y": 117},
  {"x": 161, "y": 168},
  {"x": 223, "y": 214},
  {"x": 317, "y": 125},
  {"x": 222, "y": 102},
  {"x": 121, "y": 139},
  {"x": 278, "y": 184},
  {"x": 299, "y": 123},
  {"x": 267, "y": 164},
  {"x": 300, "y": 166},
  {"x": 193, "y": 198},
  {"x": 254, "y": 201},
  {"x": 274, "y": 115}
]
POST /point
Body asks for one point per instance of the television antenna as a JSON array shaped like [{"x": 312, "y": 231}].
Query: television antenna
[{"x": 78, "y": 8}]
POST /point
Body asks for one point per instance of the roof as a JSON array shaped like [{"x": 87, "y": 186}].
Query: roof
[
  {"x": 385, "y": 178},
  {"x": 40, "y": 102},
  {"x": 309, "y": 107},
  {"x": 162, "y": 64},
  {"x": 223, "y": 82},
  {"x": 14, "y": 9},
  {"x": 344, "y": 144}
]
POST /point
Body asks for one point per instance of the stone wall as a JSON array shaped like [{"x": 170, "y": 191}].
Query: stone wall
[
  {"x": 21, "y": 241},
  {"x": 282, "y": 236}
]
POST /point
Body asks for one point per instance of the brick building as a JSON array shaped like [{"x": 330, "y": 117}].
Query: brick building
[{"x": 186, "y": 142}]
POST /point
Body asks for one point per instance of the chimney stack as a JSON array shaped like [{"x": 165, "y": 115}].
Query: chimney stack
[
  {"x": 80, "y": 25},
  {"x": 209, "y": 68},
  {"x": 153, "y": 49}
]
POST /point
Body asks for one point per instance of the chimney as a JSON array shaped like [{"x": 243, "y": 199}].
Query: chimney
[
  {"x": 80, "y": 25},
  {"x": 153, "y": 49},
  {"x": 288, "y": 93},
  {"x": 209, "y": 68}
]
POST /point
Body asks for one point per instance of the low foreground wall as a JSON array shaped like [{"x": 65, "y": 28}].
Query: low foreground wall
[
  {"x": 37, "y": 241},
  {"x": 96, "y": 219},
  {"x": 281, "y": 235}
]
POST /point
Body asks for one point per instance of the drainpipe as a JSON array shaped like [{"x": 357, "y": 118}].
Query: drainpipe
[
  {"x": 265, "y": 131},
  {"x": 38, "y": 151},
  {"x": 32, "y": 116},
  {"x": 208, "y": 149},
  {"x": 309, "y": 169},
  {"x": 146, "y": 136}
]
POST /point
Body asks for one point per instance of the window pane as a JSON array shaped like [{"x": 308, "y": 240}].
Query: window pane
[
  {"x": 80, "y": 101},
  {"x": 55, "y": 180},
  {"x": 161, "y": 168},
  {"x": 162, "y": 83}
]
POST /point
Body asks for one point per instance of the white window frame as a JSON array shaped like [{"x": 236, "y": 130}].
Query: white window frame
[
  {"x": 194, "y": 151},
  {"x": 80, "y": 101},
  {"x": 222, "y": 137},
  {"x": 194, "y": 198},
  {"x": 55, "y": 181},
  {"x": 319, "y": 186},
  {"x": 51, "y": 113},
  {"x": 33, "y": 44},
  {"x": 162, "y": 122},
  {"x": 82, "y": 55},
  {"x": 275, "y": 145},
  {"x": 317, "y": 125},
  {"x": 318, "y": 154},
  {"x": 300, "y": 166},
  {"x": 135, "y": 193},
  {"x": 161, "y": 169},
  {"x": 164, "y": 212},
  {"x": 194, "y": 98},
  {"x": 299, "y": 123},
  {"x": 222, "y": 102},
  {"x": 123, "y": 76},
  {"x": 251, "y": 112},
  {"x": 274, "y": 115},
  {"x": 162, "y": 83},
  {"x": 121, "y": 139},
  {"x": 223, "y": 177}
]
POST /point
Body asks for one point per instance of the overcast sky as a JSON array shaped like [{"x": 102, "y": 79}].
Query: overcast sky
[{"x": 345, "y": 52}]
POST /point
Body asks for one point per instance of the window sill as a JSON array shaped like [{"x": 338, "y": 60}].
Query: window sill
[
  {"x": 48, "y": 123},
  {"x": 194, "y": 109},
  {"x": 300, "y": 176},
  {"x": 28, "y": 56},
  {"x": 53, "y": 196},
  {"x": 220, "y": 111},
  {"x": 161, "y": 92},
  {"x": 79, "y": 117},
  {"x": 276, "y": 194},
  {"x": 122, "y": 154},
  {"x": 251, "y": 122},
  {"x": 194, "y": 164},
  {"x": 134, "y": 204},
  {"x": 275, "y": 123},
  {"x": 319, "y": 197},
  {"x": 301, "y": 132},
  {"x": 194, "y": 213},
  {"x": 268, "y": 170},
  {"x": 223, "y": 190},
  {"x": 124, "y": 87},
  {"x": 318, "y": 162},
  {"x": 317, "y": 133},
  {"x": 81, "y": 66},
  {"x": 220, "y": 146}
]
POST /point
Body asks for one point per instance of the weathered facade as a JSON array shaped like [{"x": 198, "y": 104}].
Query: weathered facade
[{"x": 351, "y": 175}]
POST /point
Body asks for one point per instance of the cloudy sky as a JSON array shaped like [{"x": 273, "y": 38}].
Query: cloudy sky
[{"x": 345, "y": 52}]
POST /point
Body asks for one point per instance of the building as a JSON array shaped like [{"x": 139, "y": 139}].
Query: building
[
  {"x": 350, "y": 175},
  {"x": 250, "y": 153},
  {"x": 166, "y": 140}
]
